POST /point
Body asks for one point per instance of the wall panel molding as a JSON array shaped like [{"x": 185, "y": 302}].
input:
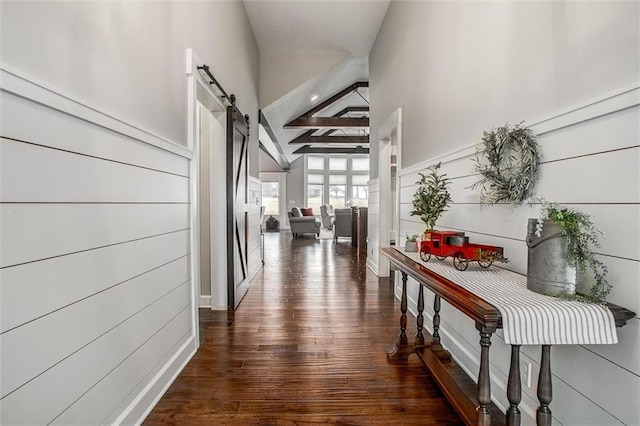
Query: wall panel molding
[
  {"x": 619, "y": 100},
  {"x": 14, "y": 81}
]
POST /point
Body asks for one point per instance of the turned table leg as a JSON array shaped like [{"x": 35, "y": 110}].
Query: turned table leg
[
  {"x": 436, "y": 346},
  {"x": 436, "y": 320},
  {"x": 420, "y": 319},
  {"x": 484, "y": 380},
  {"x": 400, "y": 349},
  {"x": 514, "y": 388},
  {"x": 543, "y": 415}
]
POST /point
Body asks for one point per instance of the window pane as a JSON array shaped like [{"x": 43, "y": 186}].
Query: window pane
[
  {"x": 360, "y": 164},
  {"x": 338, "y": 179},
  {"x": 270, "y": 198},
  {"x": 337, "y": 196},
  {"x": 315, "y": 179},
  {"x": 315, "y": 163},
  {"x": 360, "y": 195},
  {"x": 338, "y": 164},
  {"x": 359, "y": 179},
  {"x": 314, "y": 197}
]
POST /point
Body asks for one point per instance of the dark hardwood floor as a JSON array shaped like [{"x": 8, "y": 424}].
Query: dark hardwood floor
[{"x": 306, "y": 346}]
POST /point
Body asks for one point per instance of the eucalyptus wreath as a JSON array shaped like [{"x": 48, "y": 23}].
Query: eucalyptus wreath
[{"x": 508, "y": 165}]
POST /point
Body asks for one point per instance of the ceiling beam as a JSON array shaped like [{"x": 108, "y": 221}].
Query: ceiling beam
[
  {"x": 352, "y": 109},
  {"x": 329, "y": 150},
  {"x": 322, "y": 105},
  {"x": 330, "y": 131},
  {"x": 328, "y": 122},
  {"x": 278, "y": 156},
  {"x": 360, "y": 140}
]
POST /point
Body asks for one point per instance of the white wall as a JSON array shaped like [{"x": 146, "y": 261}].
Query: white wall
[
  {"x": 97, "y": 305},
  {"x": 295, "y": 185},
  {"x": 128, "y": 58},
  {"x": 459, "y": 68},
  {"x": 571, "y": 71}
]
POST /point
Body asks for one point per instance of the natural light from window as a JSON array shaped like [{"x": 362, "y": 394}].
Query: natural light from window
[
  {"x": 271, "y": 198},
  {"x": 341, "y": 181}
]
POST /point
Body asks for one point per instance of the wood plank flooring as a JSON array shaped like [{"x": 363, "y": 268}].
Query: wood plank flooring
[{"x": 306, "y": 346}]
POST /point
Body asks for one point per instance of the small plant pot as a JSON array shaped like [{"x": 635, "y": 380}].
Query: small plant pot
[{"x": 410, "y": 246}]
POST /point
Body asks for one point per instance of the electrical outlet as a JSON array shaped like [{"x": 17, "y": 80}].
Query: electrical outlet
[{"x": 525, "y": 373}]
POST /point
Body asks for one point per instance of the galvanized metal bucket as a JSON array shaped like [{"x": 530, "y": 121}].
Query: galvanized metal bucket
[{"x": 548, "y": 270}]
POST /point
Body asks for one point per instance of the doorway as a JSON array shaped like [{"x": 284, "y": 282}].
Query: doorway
[
  {"x": 212, "y": 192},
  {"x": 206, "y": 138},
  {"x": 389, "y": 146}
]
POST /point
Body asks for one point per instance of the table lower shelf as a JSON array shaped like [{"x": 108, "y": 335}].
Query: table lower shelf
[{"x": 459, "y": 389}]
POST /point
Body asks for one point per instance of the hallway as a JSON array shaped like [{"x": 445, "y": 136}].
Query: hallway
[{"x": 306, "y": 346}]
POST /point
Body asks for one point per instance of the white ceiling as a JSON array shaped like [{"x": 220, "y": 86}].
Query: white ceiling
[
  {"x": 316, "y": 25},
  {"x": 310, "y": 27}
]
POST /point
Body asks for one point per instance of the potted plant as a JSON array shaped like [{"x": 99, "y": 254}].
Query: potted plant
[
  {"x": 560, "y": 254},
  {"x": 432, "y": 197},
  {"x": 411, "y": 242}
]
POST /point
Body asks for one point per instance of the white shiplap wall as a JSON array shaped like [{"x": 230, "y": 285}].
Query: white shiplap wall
[
  {"x": 590, "y": 161},
  {"x": 95, "y": 294},
  {"x": 373, "y": 232}
]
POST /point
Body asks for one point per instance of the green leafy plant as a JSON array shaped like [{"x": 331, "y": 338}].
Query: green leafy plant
[
  {"x": 432, "y": 197},
  {"x": 581, "y": 235},
  {"x": 507, "y": 164},
  {"x": 412, "y": 238}
]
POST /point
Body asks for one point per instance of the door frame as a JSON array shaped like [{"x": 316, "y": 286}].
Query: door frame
[
  {"x": 198, "y": 91},
  {"x": 385, "y": 133}
]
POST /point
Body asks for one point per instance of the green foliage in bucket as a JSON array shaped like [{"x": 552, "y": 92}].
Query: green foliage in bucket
[{"x": 581, "y": 235}]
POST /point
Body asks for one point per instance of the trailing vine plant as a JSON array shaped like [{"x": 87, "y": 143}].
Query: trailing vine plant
[
  {"x": 432, "y": 197},
  {"x": 508, "y": 165},
  {"x": 581, "y": 235}
]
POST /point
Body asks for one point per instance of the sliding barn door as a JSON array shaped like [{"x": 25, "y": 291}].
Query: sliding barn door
[{"x": 237, "y": 208}]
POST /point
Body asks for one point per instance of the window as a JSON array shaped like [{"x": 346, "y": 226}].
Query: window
[
  {"x": 360, "y": 195},
  {"x": 337, "y": 164},
  {"x": 338, "y": 190},
  {"x": 360, "y": 164},
  {"x": 271, "y": 198},
  {"x": 315, "y": 163},
  {"x": 337, "y": 180},
  {"x": 315, "y": 197},
  {"x": 337, "y": 195}
]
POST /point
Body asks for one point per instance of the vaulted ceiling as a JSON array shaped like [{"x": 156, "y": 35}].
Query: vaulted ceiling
[{"x": 310, "y": 51}]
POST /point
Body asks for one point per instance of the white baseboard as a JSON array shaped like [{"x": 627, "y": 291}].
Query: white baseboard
[
  {"x": 142, "y": 405},
  {"x": 371, "y": 264},
  {"x": 205, "y": 301}
]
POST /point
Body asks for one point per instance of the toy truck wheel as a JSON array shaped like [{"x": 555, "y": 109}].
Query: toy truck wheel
[
  {"x": 485, "y": 263},
  {"x": 460, "y": 261},
  {"x": 425, "y": 255}
]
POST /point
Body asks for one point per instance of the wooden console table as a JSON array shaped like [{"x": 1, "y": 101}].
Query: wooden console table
[{"x": 487, "y": 319}]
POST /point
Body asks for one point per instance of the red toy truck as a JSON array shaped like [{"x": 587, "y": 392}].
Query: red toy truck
[{"x": 443, "y": 244}]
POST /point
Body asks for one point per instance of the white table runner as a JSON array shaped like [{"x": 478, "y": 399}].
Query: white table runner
[{"x": 529, "y": 318}]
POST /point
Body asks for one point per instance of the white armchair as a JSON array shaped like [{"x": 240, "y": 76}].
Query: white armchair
[{"x": 327, "y": 215}]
